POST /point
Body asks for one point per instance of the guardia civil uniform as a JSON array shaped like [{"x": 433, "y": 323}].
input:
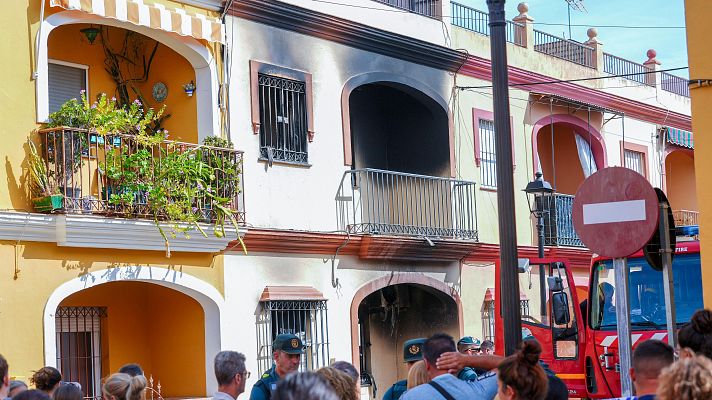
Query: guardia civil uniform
[
  {"x": 265, "y": 387},
  {"x": 412, "y": 352}
]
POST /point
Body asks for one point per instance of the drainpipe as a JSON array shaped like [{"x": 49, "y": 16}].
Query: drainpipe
[{"x": 37, "y": 40}]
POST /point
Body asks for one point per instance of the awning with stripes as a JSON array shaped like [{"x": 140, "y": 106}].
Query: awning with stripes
[
  {"x": 155, "y": 16},
  {"x": 679, "y": 137}
]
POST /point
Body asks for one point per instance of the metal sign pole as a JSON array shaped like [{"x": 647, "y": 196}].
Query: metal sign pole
[
  {"x": 668, "y": 288},
  {"x": 620, "y": 268}
]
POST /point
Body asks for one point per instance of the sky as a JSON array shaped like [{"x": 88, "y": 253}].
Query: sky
[{"x": 631, "y": 44}]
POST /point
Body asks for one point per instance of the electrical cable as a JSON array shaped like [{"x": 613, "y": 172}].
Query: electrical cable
[{"x": 576, "y": 79}]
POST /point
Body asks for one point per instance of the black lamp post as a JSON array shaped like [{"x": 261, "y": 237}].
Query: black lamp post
[{"x": 536, "y": 190}]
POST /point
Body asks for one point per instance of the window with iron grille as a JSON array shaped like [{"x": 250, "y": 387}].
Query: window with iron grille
[
  {"x": 283, "y": 119},
  {"x": 488, "y": 317},
  {"x": 634, "y": 160},
  {"x": 488, "y": 320},
  {"x": 79, "y": 352},
  {"x": 307, "y": 319},
  {"x": 488, "y": 155}
]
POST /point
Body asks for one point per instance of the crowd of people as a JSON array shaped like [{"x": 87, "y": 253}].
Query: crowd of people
[{"x": 438, "y": 368}]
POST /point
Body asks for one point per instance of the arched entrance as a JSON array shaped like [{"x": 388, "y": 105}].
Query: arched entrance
[
  {"x": 395, "y": 127},
  {"x": 202, "y": 64},
  {"x": 392, "y": 309},
  {"x": 680, "y": 186},
  {"x": 168, "y": 322},
  {"x": 566, "y": 149}
]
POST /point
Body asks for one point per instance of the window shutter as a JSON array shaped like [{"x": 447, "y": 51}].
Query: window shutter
[{"x": 64, "y": 83}]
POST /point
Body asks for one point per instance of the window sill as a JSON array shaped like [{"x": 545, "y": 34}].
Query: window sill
[
  {"x": 488, "y": 189},
  {"x": 285, "y": 163}
]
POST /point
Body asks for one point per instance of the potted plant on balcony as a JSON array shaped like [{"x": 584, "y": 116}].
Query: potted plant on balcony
[{"x": 45, "y": 196}]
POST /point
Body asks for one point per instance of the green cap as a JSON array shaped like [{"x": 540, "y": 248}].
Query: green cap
[
  {"x": 469, "y": 341},
  {"x": 288, "y": 343},
  {"x": 413, "y": 349}
]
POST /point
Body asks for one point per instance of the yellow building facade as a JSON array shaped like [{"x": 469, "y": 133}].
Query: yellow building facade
[
  {"x": 88, "y": 306},
  {"x": 697, "y": 15}
]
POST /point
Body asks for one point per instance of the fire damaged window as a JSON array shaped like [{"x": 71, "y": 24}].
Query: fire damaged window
[
  {"x": 283, "y": 119},
  {"x": 307, "y": 319}
]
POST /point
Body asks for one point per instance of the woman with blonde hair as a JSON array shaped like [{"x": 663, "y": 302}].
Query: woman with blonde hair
[
  {"x": 417, "y": 375},
  {"x": 688, "y": 379},
  {"x": 125, "y": 387},
  {"x": 341, "y": 383}
]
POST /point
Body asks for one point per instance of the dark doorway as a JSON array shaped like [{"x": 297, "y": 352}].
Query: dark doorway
[{"x": 397, "y": 128}]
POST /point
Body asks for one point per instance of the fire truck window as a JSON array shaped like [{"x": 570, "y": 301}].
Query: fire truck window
[
  {"x": 534, "y": 296},
  {"x": 564, "y": 330},
  {"x": 646, "y": 296}
]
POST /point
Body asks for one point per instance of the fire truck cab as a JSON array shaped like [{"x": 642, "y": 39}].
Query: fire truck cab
[{"x": 579, "y": 338}]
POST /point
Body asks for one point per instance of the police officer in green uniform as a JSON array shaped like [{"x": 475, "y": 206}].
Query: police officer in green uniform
[
  {"x": 287, "y": 351},
  {"x": 412, "y": 353},
  {"x": 470, "y": 346}
]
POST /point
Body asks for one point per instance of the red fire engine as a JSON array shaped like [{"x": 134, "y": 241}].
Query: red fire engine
[{"x": 579, "y": 338}]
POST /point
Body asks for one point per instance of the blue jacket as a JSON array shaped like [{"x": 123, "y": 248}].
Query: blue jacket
[
  {"x": 263, "y": 389},
  {"x": 396, "y": 391}
]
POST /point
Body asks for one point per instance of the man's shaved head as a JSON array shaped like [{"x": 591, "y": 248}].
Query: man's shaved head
[{"x": 651, "y": 357}]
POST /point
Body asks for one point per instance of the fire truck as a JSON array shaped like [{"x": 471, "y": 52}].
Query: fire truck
[{"x": 578, "y": 336}]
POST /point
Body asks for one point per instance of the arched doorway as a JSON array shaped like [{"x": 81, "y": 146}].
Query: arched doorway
[
  {"x": 390, "y": 310},
  {"x": 202, "y": 63},
  {"x": 566, "y": 149},
  {"x": 166, "y": 321},
  {"x": 680, "y": 186},
  {"x": 395, "y": 127}
]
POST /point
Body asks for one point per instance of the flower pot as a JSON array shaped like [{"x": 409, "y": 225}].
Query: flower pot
[{"x": 48, "y": 204}]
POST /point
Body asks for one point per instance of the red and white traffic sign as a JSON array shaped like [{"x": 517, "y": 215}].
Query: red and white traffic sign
[{"x": 615, "y": 212}]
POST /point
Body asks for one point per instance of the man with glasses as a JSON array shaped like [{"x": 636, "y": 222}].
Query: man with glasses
[
  {"x": 231, "y": 375},
  {"x": 470, "y": 346},
  {"x": 287, "y": 352}
]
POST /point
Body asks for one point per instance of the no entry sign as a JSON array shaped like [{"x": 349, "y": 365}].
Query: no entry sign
[{"x": 615, "y": 212}]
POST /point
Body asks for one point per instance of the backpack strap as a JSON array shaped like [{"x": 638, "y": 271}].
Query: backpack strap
[{"x": 441, "y": 390}]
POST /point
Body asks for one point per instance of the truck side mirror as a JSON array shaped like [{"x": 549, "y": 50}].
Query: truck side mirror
[
  {"x": 560, "y": 308},
  {"x": 555, "y": 283}
]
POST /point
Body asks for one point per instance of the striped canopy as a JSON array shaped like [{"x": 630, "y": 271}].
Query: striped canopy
[
  {"x": 155, "y": 16},
  {"x": 679, "y": 137}
]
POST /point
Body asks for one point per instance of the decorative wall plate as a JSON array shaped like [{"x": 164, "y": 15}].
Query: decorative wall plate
[{"x": 159, "y": 92}]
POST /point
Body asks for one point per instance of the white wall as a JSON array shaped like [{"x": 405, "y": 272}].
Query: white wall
[{"x": 294, "y": 197}]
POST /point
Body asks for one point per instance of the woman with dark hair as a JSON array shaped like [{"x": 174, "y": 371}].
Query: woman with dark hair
[
  {"x": 520, "y": 375},
  {"x": 696, "y": 336},
  {"x": 46, "y": 379}
]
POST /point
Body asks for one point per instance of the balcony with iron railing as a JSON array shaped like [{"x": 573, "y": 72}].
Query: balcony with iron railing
[
  {"x": 686, "y": 217},
  {"x": 428, "y": 8},
  {"x": 373, "y": 201},
  {"x": 129, "y": 176},
  {"x": 558, "y": 221},
  {"x": 588, "y": 54}
]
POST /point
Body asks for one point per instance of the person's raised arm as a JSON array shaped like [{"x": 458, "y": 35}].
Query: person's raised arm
[{"x": 454, "y": 362}]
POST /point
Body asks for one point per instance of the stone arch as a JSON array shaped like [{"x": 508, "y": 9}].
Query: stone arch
[
  {"x": 199, "y": 57},
  {"x": 395, "y": 279},
  {"x": 387, "y": 77},
  {"x": 209, "y": 298}
]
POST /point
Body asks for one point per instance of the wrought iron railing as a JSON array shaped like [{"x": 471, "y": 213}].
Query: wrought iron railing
[
  {"x": 615, "y": 65},
  {"x": 558, "y": 221},
  {"x": 475, "y": 20},
  {"x": 563, "y": 48},
  {"x": 394, "y": 203},
  {"x": 120, "y": 174},
  {"x": 428, "y": 8},
  {"x": 674, "y": 84},
  {"x": 686, "y": 217}
]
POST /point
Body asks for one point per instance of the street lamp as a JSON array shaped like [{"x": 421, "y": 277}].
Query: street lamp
[{"x": 536, "y": 190}]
